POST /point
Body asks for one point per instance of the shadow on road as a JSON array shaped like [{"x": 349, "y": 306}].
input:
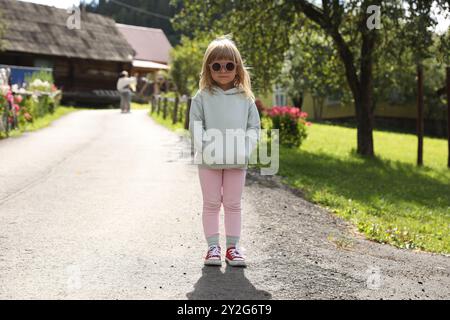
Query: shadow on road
[{"x": 230, "y": 285}]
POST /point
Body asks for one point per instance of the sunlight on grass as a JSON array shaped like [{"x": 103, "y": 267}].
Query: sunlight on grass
[
  {"x": 402, "y": 147},
  {"x": 166, "y": 122},
  {"x": 389, "y": 198},
  {"x": 140, "y": 106}
]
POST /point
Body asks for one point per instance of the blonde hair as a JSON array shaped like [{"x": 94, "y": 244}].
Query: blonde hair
[{"x": 223, "y": 48}]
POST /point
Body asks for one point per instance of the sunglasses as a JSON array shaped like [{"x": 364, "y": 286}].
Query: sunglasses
[{"x": 228, "y": 66}]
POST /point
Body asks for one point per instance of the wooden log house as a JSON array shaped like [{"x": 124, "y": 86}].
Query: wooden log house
[{"x": 86, "y": 62}]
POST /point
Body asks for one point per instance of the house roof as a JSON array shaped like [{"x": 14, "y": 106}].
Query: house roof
[
  {"x": 40, "y": 29},
  {"x": 150, "y": 44},
  {"x": 149, "y": 65}
]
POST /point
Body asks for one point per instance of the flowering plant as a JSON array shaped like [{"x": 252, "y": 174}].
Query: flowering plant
[
  {"x": 21, "y": 104},
  {"x": 9, "y": 108},
  {"x": 291, "y": 122},
  {"x": 292, "y": 112},
  {"x": 40, "y": 85}
]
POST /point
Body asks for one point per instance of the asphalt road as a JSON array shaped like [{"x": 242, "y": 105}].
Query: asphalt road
[{"x": 100, "y": 205}]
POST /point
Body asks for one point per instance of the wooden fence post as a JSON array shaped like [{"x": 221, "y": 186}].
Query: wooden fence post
[
  {"x": 180, "y": 116},
  {"x": 165, "y": 108},
  {"x": 175, "y": 111},
  {"x": 152, "y": 104},
  {"x": 186, "y": 118},
  {"x": 159, "y": 105}
]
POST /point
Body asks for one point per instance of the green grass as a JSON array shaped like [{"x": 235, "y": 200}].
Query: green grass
[
  {"x": 388, "y": 198},
  {"x": 42, "y": 122},
  {"x": 166, "y": 122},
  {"x": 139, "y": 106}
]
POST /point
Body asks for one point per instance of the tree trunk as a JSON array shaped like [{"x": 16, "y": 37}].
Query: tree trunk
[
  {"x": 365, "y": 104},
  {"x": 317, "y": 109},
  {"x": 314, "y": 108},
  {"x": 362, "y": 91},
  {"x": 362, "y": 86},
  {"x": 321, "y": 103},
  {"x": 420, "y": 114},
  {"x": 365, "y": 120}
]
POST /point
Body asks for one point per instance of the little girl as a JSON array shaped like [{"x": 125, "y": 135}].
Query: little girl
[{"x": 224, "y": 104}]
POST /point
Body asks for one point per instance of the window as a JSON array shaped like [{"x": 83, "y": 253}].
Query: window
[
  {"x": 279, "y": 95},
  {"x": 43, "y": 63},
  {"x": 333, "y": 99}
]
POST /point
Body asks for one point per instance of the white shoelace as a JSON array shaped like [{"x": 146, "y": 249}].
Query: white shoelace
[
  {"x": 214, "y": 251},
  {"x": 235, "y": 253}
]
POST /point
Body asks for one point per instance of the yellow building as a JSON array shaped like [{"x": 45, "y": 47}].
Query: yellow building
[{"x": 390, "y": 115}]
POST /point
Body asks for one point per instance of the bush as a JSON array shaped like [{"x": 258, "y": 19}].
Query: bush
[
  {"x": 291, "y": 123},
  {"x": 41, "y": 98},
  {"x": 260, "y": 107}
]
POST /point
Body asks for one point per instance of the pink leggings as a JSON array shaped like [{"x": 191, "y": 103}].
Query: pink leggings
[{"x": 222, "y": 186}]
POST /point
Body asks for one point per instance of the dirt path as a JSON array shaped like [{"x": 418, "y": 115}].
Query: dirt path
[{"x": 97, "y": 206}]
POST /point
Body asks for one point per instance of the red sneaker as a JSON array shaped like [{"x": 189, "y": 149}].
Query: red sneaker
[
  {"x": 234, "y": 258},
  {"x": 213, "y": 257}
]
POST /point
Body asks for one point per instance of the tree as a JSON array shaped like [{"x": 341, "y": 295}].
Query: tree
[
  {"x": 146, "y": 13},
  {"x": 444, "y": 57},
  {"x": 263, "y": 28},
  {"x": 417, "y": 26},
  {"x": 186, "y": 62},
  {"x": 312, "y": 66}
]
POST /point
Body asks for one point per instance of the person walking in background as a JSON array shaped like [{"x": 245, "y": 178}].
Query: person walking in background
[
  {"x": 223, "y": 103},
  {"x": 124, "y": 86}
]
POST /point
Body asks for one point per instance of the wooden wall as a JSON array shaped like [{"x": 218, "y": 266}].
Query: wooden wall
[{"x": 73, "y": 74}]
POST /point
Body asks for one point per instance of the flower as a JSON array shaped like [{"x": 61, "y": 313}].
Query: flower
[
  {"x": 292, "y": 112},
  {"x": 9, "y": 96},
  {"x": 18, "y": 99},
  {"x": 39, "y": 85}
]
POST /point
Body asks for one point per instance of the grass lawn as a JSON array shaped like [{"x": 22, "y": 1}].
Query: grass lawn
[
  {"x": 389, "y": 198},
  {"x": 159, "y": 118},
  {"x": 41, "y": 122},
  {"x": 139, "y": 106}
]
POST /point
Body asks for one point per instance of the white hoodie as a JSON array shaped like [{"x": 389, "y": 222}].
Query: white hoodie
[{"x": 231, "y": 114}]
